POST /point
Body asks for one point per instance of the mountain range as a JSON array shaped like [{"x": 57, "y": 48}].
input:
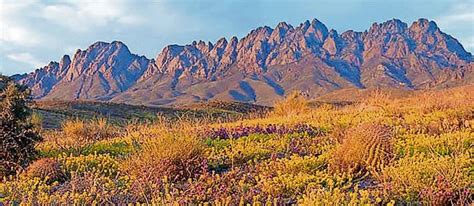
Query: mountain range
[{"x": 261, "y": 67}]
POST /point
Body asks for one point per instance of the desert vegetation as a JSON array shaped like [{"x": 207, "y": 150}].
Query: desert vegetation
[
  {"x": 17, "y": 134},
  {"x": 382, "y": 150}
]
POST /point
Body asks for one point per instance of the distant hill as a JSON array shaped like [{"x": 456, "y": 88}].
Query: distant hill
[
  {"x": 261, "y": 67},
  {"x": 53, "y": 113}
]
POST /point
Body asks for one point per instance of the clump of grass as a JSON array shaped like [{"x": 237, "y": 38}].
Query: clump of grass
[
  {"x": 294, "y": 104},
  {"x": 36, "y": 120},
  {"x": 170, "y": 157},
  {"x": 377, "y": 98},
  {"x": 367, "y": 147},
  {"x": 85, "y": 132}
]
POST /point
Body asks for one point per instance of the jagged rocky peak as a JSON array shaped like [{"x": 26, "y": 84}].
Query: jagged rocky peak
[
  {"x": 224, "y": 49},
  {"x": 263, "y": 31},
  {"x": 388, "y": 39},
  {"x": 51, "y": 67},
  {"x": 230, "y": 52},
  {"x": 283, "y": 27},
  {"x": 114, "y": 45},
  {"x": 199, "y": 57},
  {"x": 106, "y": 69},
  {"x": 424, "y": 26},
  {"x": 316, "y": 31},
  {"x": 393, "y": 26},
  {"x": 221, "y": 43},
  {"x": 233, "y": 41},
  {"x": 43, "y": 79},
  {"x": 65, "y": 60},
  {"x": 203, "y": 46},
  {"x": 64, "y": 63},
  {"x": 219, "y": 48},
  {"x": 426, "y": 33},
  {"x": 100, "y": 55},
  {"x": 280, "y": 32},
  {"x": 430, "y": 39},
  {"x": 168, "y": 53},
  {"x": 104, "y": 50},
  {"x": 333, "y": 43}
]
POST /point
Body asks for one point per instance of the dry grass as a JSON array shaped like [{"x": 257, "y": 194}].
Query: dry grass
[
  {"x": 377, "y": 98},
  {"x": 294, "y": 104},
  {"x": 37, "y": 121},
  {"x": 441, "y": 100},
  {"x": 86, "y": 132},
  {"x": 164, "y": 157},
  {"x": 175, "y": 157}
]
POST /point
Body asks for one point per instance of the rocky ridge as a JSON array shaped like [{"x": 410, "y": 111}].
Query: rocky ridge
[{"x": 262, "y": 66}]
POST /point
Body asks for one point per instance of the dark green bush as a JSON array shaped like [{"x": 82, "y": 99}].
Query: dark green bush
[{"x": 17, "y": 135}]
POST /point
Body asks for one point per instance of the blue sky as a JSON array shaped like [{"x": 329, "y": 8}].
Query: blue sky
[{"x": 34, "y": 32}]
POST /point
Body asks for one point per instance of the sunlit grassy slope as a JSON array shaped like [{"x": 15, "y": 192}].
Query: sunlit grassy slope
[{"x": 379, "y": 150}]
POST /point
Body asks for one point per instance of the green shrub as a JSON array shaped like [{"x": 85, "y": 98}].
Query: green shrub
[{"x": 17, "y": 135}]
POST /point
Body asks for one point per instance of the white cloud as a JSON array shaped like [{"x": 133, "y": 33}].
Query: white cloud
[
  {"x": 26, "y": 58},
  {"x": 459, "y": 22},
  {"x": 18, "y": 35},
  {"x": 458, "y": 14},
  {"x": 82, "y": 16},
  {"x": 469, "y": 43},
  {"x": 50, "y": 28},
  {"x": 13, "y": 30},
  {"x": 71, "y": 50}
]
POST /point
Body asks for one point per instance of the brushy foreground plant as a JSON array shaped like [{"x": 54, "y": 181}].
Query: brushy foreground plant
[
  {"x": 169, "y": 157},
  {"x": 17, "y": 135}
]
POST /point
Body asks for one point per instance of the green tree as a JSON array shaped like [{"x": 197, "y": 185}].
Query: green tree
[{"x": 17, "y": 135}]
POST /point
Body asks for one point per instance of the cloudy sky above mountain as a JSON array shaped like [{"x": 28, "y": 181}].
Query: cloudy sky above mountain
[{"x": 34, "y": 32}]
